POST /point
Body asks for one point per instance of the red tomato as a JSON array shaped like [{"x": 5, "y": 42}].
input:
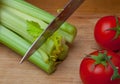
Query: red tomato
[
  {"x": 94, "y": 72},
  {"x": 107, "y": 32}
]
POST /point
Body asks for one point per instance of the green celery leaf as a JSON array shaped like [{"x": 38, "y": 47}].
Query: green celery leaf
[{"x": 34, "y": 29}]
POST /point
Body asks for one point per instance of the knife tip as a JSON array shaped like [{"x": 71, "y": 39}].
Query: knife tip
[{"x": 21, "y": 61}]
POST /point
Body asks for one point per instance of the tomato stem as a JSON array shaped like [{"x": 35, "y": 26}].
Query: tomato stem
[
  {"x": 115, "y": 73},
  {"x": 116, "y": 28},
  {"x": 100, "y": 59}
]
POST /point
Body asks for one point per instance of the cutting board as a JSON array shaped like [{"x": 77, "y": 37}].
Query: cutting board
[{"x": 11, "y": 72}]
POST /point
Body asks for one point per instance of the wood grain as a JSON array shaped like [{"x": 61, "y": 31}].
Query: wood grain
[{"x": 68, "y": 72}]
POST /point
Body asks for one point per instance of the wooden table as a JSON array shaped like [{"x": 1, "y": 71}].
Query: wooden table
[{"x": 68, "y": 72}]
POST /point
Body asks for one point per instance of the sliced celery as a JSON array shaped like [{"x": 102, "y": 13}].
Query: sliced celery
[
  {"x": 19, "y": 45},
  {"x": 37, "y": 13},
  {"x": 22, "y": 23}
]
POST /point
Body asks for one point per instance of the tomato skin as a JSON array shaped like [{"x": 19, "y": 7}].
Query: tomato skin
[
  {"x": 98, "y": 74},
  {"x": 105, "y": 37}
]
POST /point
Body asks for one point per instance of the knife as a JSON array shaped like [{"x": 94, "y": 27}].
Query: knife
[{"x": 68, "y": 10}]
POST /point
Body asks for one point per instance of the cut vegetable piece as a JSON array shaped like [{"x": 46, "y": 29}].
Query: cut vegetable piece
[{"x": 22, "y": 23}]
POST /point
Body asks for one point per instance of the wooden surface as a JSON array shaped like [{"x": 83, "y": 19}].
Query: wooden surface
[{"x": 11, "y": 72}]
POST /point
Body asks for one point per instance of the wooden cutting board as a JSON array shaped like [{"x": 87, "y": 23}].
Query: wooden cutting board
[{"x": 11, "y": 72}]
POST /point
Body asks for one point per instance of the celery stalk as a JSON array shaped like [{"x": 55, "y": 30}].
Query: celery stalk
[
  {"x": 20, "y": 46},
  {"x": 18, "y": 24},
  {"x": 22, "y": 23},
  {"x": 37, "y": 13}
]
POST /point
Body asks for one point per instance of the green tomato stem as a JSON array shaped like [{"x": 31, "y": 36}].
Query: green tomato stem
[{"x": 115, "y": 73}]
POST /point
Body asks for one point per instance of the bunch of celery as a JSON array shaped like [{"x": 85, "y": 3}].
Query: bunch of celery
[{"x": 21, "y": 23}]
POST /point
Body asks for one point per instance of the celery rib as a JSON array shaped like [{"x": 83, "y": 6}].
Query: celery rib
[
  {"x": 19, "y": 45},
  {"x": 37, "y": 13},
  {"x": 22, "y": 23}
]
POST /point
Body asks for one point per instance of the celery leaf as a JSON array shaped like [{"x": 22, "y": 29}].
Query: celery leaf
[{"x": 34, "y": 29}]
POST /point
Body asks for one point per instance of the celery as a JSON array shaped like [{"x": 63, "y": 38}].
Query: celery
[
  {"x": 22, "y": 23},
  {"x": 20, "y": 45}
]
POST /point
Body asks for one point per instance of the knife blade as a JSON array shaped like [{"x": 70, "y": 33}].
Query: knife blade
[{"x": 67, "y": 11}]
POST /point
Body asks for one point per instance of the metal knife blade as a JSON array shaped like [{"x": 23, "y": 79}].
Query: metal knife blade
[{"x": 68, "y": 10}]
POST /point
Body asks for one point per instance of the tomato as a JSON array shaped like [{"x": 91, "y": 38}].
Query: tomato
[
  {"x": 94, "y": 69},
  {"x": 107, "y": 32}
]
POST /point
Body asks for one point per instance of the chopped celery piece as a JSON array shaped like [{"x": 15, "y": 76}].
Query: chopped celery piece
[{"x": 22, "y": 23}]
